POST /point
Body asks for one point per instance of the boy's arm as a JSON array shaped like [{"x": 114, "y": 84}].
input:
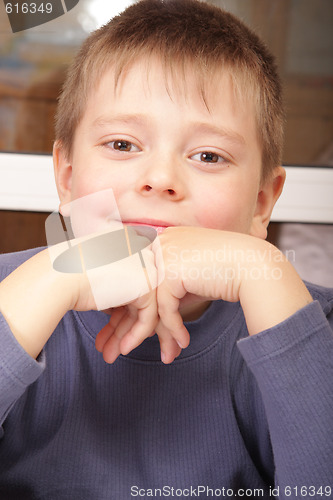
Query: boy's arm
[
  {"x": 232, "y": 267},
  {"x": 290, "y": 348},
  {"x": 34, "y": 298},
  {"x": 293, "y": 366},
  {"x": 17, "y": 370},
  {"x": 213, "y": 264}
]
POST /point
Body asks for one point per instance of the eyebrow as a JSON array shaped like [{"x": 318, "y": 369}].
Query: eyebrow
[
  {"x": 197, "y": 127},
  {"x": 217, "y": 131},
  {"x": 127, "y": 119}
]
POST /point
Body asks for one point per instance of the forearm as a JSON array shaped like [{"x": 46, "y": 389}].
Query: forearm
[
  {"x": 293, "y": 366},
  {"x": 17, "y": 369},
  {"x": 33, "y": 299},
  {"x": 230, "y": 266},
  {"x": 271, "y": 291}
]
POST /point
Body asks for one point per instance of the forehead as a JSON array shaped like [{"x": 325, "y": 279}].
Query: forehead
[
  {"x": 155, "y": 107},
  {"x": 152, "y": 105},
  {"x": 181, "y": 84}
]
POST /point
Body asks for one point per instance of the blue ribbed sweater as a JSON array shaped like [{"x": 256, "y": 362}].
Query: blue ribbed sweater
[{"x": 232, "y": 413}]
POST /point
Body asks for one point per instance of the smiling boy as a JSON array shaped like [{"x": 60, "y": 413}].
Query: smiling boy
[{"x": 176, "y": 107}]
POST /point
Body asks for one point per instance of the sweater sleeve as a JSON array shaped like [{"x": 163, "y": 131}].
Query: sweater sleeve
[
  {"x": 17, "y": 370},
  {"x": 293, "y": 366}
]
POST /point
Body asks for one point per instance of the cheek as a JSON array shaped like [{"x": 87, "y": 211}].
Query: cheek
[
  {"x": 94, "y": 205},
  {"x": 217, "y": 215},
  {"x": 225, "y": 209},
  {"x": 83, "y": 183},
  {"x": 87, "y": 181},
  {"x": 212, "y": 206}
]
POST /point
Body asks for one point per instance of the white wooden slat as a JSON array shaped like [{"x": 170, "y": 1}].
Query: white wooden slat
[{"x": 27, "y": 183}]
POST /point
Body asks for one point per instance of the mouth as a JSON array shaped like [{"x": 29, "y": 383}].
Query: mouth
[{"x": 158, "y": 225}]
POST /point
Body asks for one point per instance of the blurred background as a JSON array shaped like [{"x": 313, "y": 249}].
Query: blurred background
[{"x": 298, "y": 32}]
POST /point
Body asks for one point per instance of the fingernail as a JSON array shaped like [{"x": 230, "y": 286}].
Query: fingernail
[
  {"x": 163, "y": 357},
  {"x": 125, "y": 351}
]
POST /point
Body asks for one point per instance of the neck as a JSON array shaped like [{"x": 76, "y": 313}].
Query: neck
[{"x": 193, "y": 311}]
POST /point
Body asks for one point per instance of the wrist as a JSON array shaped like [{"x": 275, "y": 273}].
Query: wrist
[
  {"x": 33, "y": 299},
  {"x": 272, "y": 290}
]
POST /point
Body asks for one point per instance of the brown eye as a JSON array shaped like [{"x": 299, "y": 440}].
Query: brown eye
[
  {"x": 209, "y": 157},
  {"x": 122, "y": 145}
]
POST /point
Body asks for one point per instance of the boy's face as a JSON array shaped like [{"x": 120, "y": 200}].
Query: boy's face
[{"x": 169, "y": 160}]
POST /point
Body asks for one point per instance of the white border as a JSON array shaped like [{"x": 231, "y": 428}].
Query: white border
[
  {"x": 27, "y": 183},
  {"x": 307, "y": 196}
]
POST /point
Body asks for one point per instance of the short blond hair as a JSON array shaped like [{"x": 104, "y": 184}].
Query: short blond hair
[{"x": 181, "y": 34}]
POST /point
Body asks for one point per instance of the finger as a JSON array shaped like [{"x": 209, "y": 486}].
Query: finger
[
  {"x": 111, "y": 348},
  {"x": 168, "y": 311},
  {"x": 169, "y": 347},
  {"x": 108, "y": 330},
  {"x": 103, "y": 336},
  {"x": 144, "y": 327}
]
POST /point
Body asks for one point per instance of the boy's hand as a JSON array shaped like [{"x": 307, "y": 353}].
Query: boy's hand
[
  {"x": 129, "y": 326},
  {"x": 206, "y": 264},
  {"x": 230, "y": 266}
]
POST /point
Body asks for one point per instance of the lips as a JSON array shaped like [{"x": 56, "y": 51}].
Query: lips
[{"x": 158, "y": 225}]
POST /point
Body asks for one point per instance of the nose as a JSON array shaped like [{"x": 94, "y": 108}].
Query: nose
[{"x": 162, "y": 178}]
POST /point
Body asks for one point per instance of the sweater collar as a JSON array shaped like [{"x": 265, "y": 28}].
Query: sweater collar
[{"x": 204, "y": 331}]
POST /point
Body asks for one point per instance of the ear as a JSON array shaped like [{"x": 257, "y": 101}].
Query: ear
[
  {"x": 63, "y": 175},
  {"x": 268, "y": 195}
]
